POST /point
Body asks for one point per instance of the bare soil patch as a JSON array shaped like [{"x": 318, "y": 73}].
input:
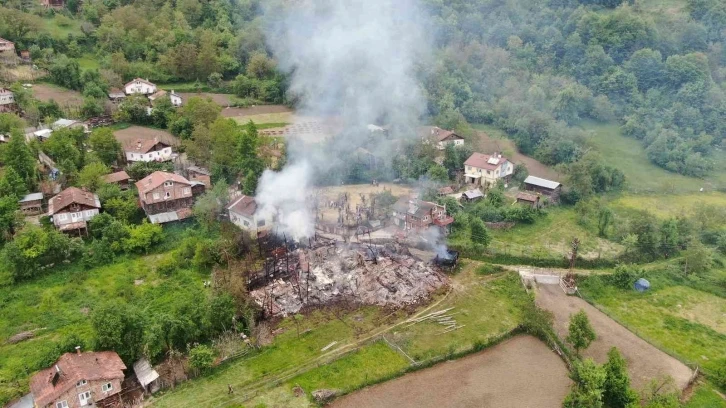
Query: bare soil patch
[
  {"x": 131, "y": 134},
  {"x": 64, "y": 97},
  {"x": 222, "y": 100},
  {"x": 520, "y": 372},
  {"x": 489, "y": 145},
  {"x": 645, "y": 362},
  {"x": 255, "y": 110}
]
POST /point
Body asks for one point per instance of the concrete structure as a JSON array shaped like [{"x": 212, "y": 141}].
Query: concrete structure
[
  {"x": 485, "y": 170},
  {"x": 139, "y": 86},
  {"x": 167, "y": 197},
  {"x": 7, "y": 100},
  {"x": 148, "y": 150},
  {"x": 243, "y": 213},
  {"x": 550, "y": 189},
  {"x": 72, "y": 208},
  {"x": 80, "y": 379}
]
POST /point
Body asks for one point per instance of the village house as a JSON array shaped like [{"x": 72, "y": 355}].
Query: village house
[
  {"x": 148, "y": 150},
  {"x": 7, "y": 100},
  {"x": 72, "y": 208},
  {"x": 53, "y": 3},
  {"x": 167, "y": 197},
  {"x": 139, "y": 86},
  {"x": 485, "y": 170},
  {"x": 174, "y": 97},
  {"x": 472, "y": 195},
  {"x": 202, "y": 175},
  {"x": 414, "y": 214},
  {"x": 31, "y": 204},
  {"x": 116, "y": 95},
  {"x": 550, "y": 189},
  {"x": 80, "y": 379},
  {"x": 120, "y": 178},
  {"x": 243, "y": 213},
  {"x": 440, "y": 137},
  {"x": 7, "y": 46}
]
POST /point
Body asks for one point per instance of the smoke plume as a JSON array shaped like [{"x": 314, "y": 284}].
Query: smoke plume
[{"x": 355, "y": 60}]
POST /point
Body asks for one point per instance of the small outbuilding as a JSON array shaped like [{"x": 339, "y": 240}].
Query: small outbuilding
[
  {"x": 530, "y": 199},
  {"x": 147, "y": 376},
  {"x": 120, "y": 178},
  {"x": 549, "y": 188},
  {"x": 31, "y": 204},
  {"x": 641, "y": 285},
  {"x": 472, "y": 195}
]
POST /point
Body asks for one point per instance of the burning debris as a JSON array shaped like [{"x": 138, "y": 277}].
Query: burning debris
[{"x": 366, "y": 274}]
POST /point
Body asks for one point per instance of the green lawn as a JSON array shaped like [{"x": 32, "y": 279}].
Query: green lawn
[
  {"x": 61, "y": 32},
  {"x": 706, "y": 396},
  {"x": 688, "y": 323},
  {"x": 487, "y": 306},
  {"x": 669, "y": 205},
  {"x": 89, "y": 61},
  {"x": 628, "y": 155},
  {"x": 261, "y": 126}
]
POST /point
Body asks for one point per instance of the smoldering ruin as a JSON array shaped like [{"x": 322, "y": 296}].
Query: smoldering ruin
[{"x": 324, "y": 271}]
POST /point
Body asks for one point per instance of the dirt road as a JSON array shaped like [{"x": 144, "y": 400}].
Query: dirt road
[
  {"x": 521, "y": 372},
  {"x": 645, "y": 362}
]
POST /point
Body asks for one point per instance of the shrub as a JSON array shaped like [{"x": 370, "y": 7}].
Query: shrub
[
  {"x": 488, "y": 269},
  {"x": 201, "y": 357},
  {"x": 624, "y": 276}
]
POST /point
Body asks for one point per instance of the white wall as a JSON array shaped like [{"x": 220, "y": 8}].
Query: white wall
[
  {"x": 251, "y": 223},
  {"x": 68, "y": 217},
  {"x": 7, "y": 98},
  {"x": 139, "y": 87},
  {"x": 163, "y": 155}
]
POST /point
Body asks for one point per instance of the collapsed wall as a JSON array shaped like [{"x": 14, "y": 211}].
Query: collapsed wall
[{"x": 364, "y": 274}]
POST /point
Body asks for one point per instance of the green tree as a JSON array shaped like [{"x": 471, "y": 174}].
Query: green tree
[
  {"x": 587, "y": 391},
  {"x": 604, "y": 218},
  {"x": 697, "y": 258},
  {"x": 10, "y": 218},
  {"x": 66, "y": 72},
  {"x": 616, "y": 389},
  {"x": 201, "y": 357},
  {"x": 143, "y": 237},
  {"x": 250, "y": 163},
  {"x": 648, "y": 67},
  {"x": 119, "y": 326},
  {"x": 222, "y": 312},
  {"x": 201, "y": 111},
  {"x": 12, "y": 185},
  {"x": 17, "y": 155},
  {"x": 580, "y": 333},
  {"x": 105, "y": 145},
  {"x": 91, "y": 176},
  {"x": 479, "y": 233},
  {"x": 438, "y": 173}
]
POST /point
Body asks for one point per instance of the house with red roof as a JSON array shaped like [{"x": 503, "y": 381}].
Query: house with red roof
[
  {"x": 440, "y": 137},
  {"x": 80, "y": 379},
  {"x": 167, "y": 197},
  {"x": 486, "y": 169},
  {"x": 146, "y": 150},
  {"x": 139, "y": 86},
  {"x": 72, "y": 208},
  {"x": 243, "y": 213}
]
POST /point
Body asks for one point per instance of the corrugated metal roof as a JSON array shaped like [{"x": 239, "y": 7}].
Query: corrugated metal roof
[
  {"x": 536, "y": 181},
  {"x": 32, "y": 197},
  {"x": 471, "y": 194},
  {"x": 144, "y": 373},
  {"x": 162, "y": 218}
]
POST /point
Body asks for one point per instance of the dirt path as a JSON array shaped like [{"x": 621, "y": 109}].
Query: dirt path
[
  {"x": 645, "y": 362},
  {"x": 521, "y": 372}
]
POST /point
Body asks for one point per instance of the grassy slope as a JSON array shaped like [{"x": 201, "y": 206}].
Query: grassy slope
[
  {"x": 59, "y": 32},
  {"x": 487, "y": 306},
  {"x": 89, "y": 61},
  {"x": 58, "y": 305}
]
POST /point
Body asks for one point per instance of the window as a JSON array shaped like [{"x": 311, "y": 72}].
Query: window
[
  {"x": 62, "y": 217},
  {"x": 82, "y": 382},
  {"x": 167, "y": 195},
  {"x": 156, "y": 196},
  {"x": 246, "y": 224},
  {"x": 106, "y": 387},
  {"x": 168, "y": 183},
  {"x": 489, "y": 172},
  {"x": 187, "y": 190},
  {"x": 261, "y": 223},
  {"x": 84, "y": 398},
  {"x": 61, "y": 404}
]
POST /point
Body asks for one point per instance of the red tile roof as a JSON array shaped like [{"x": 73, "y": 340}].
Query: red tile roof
[
  {"x": 244, "y": 205},
  {"x": 144, "y": 145},
  {"x": 482, "y": 161},
  {"x": 116, "y": 177},
  {"x": 70, "y": 196},
  {"x": 90, "y": 366},
  {"x": 140, "y": 80},
  {"x": 437, "y": 133},
  {"x": 156, "y": 179}
]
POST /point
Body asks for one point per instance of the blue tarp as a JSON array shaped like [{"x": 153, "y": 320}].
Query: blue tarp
[{"x": 641, "y": 285}]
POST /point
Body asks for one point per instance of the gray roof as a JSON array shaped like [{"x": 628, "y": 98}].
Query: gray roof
[
  {"x": 471, "y": 194},
  {"x": 32, "y": 197},
  {"x": 162, "y": 218},
  {"x": 144, "y": 373},
  {"x": 536, "y": 181}
]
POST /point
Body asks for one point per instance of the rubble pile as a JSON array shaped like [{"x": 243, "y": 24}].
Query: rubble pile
[{"x": 366, "y": 274}]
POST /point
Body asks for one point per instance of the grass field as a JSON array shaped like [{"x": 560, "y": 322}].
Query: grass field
[
  {"x": 628, "y": 155},
  {"x": 61, "y": 32},
  {"x": 488, "y": 307},
  {"x": 88, "y": 61},
  {"x": 706, "y": 396},
  {"x": 687, "y": 323},
  {"x": 670, "y": 205}
]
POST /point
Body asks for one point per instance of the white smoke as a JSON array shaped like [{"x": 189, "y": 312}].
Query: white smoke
[{"x": 355, "y": 60}]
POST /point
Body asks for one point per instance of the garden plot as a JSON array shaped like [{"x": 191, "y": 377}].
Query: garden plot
[
  {"x": 521, "y": 372},
  {"x": 64, "y": 97},
  {"x": 645, "y": 362}
]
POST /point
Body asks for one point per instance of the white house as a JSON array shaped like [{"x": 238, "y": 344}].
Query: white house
[
  {"x": 7, "y": 97},
  {"x": 72, "y": 208},
  {"x": 148, "y": 150},
  {"x": 139, "y": 86},
  {"x": 174, "y": 97},
  {"x": 243, "y": 213},
  {"x": 485, "y": 169},
  {"x": 440, "y": 137}
]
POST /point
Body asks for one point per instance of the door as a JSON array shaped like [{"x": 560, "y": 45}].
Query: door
[{"x": 85, "y": 398}]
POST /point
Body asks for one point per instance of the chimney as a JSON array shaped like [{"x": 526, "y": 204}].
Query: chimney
[
  {"x": 78, "y": 350},
  {"x": 156, "y": 140},
  {"x": 138, "y": 144},
  {"x": 57, "y": 369}
]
